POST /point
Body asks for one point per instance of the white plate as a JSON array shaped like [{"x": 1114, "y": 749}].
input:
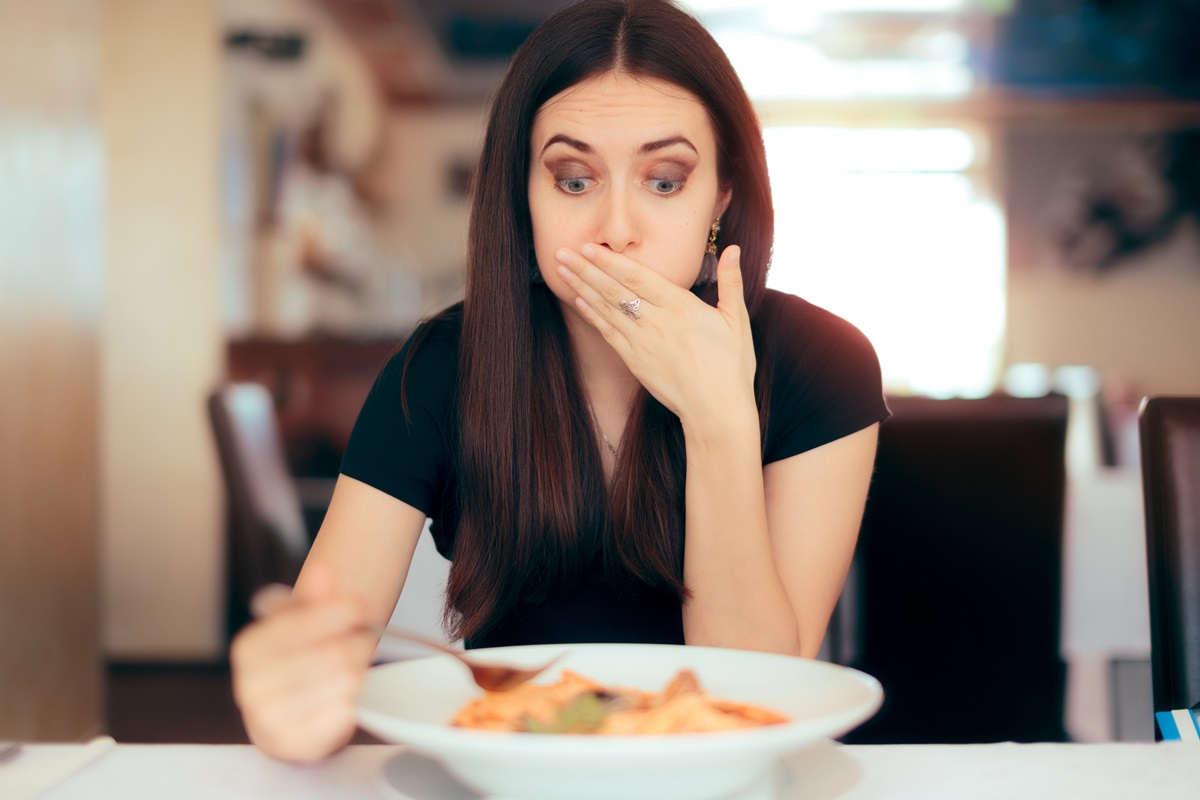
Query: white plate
[
  {"x": 818, "y": 772},
  {"x": 411, "y": 702}
]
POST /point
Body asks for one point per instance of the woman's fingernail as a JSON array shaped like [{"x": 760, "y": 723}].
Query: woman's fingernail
[
  {"x": 564, "y": 272},
  {"x": 563, "y": 255},
  {"x": 588, "y": 251}
]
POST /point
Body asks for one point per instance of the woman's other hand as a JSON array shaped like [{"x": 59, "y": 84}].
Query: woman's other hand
[
  {"x": 697, "y": 360},
  {"x": 298, "y": 669}
]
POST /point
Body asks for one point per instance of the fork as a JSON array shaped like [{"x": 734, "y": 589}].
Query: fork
[{"x": 487, "y": 676}]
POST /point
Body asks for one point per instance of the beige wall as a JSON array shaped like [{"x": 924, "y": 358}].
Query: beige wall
[
  {"x": 1140, "y": 327},
  {"x": 1137, "y": 323},
  {"x": 160, "y": 342},
  {"x": 110, "y": 513},
  {"x": 51, "y": 274}
]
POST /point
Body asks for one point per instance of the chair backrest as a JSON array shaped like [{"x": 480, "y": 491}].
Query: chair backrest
[
  {"x": 268, "y": 539},
  {"x": 956, "y": 597},
  {"x": 1169, "y": 429}
]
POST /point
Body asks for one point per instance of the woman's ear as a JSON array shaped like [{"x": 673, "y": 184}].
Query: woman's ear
[{"x": 723, "y": 201}]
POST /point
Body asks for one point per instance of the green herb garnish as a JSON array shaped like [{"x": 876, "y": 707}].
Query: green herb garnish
[{"x": 584, "y": 714}]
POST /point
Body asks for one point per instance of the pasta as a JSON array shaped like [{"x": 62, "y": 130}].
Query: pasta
[{"x": 578, "y": 705}]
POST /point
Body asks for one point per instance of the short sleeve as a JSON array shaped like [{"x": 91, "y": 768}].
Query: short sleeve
[
  {"x": 826, "y": 381},
  {"x": 408, "y": 457}
]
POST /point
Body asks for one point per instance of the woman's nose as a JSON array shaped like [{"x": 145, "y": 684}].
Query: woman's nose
[{"x": 617, "y": 226}]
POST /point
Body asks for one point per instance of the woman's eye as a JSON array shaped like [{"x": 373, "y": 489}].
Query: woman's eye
[
  {"x": 574, "y": 185},
  {"x": 665, "y": 186}
]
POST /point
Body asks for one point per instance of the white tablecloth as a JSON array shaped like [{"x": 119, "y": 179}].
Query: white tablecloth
[{"x": 824, "y": 772}]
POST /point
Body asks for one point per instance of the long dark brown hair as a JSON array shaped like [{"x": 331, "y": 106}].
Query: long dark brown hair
[{"x": 533, "y": 503}]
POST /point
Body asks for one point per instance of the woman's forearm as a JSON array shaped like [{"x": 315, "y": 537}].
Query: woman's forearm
[{"x": 737, "y": 596}]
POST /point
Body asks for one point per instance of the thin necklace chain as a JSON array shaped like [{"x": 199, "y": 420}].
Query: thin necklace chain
[{"x": 596, "y": 420}]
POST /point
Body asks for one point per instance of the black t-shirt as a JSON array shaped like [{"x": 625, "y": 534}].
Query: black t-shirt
[{"x": 825, "y": 385}]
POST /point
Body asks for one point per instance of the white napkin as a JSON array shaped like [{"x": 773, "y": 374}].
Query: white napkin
[{"x": 39, "y": 768}]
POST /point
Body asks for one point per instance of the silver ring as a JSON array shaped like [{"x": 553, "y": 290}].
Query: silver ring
[{"x": 630, "y": 307}]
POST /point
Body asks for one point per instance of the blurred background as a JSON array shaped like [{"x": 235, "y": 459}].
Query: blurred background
[{"x": 1002, "y": 194}]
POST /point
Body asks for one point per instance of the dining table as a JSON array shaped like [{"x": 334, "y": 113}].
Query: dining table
[{"x": 825, "y": 770}]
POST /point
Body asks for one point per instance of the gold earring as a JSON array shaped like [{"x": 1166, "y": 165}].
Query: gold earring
[
  {"x": 712, "y": 237},
  {"x": 708, "y": 264}
]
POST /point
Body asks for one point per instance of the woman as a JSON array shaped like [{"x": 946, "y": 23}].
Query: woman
[{"x": 619, "y": 436}]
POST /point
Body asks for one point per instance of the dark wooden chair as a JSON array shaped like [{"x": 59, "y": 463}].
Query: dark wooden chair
[
  {"x": 956, "y": 593},
  {"x": 1169, "y": 429},
  {"x": 267, "y": 537}
]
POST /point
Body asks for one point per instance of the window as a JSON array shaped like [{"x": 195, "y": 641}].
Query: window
[{"x": 894, "y": 230}]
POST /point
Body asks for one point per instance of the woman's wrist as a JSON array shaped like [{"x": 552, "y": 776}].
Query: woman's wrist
[{"x": 721, "y": 424}]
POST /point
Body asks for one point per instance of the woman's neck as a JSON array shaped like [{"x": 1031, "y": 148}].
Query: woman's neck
[
  {"x": 605, "y": 378},
  {"x": 608, "y": 386}
]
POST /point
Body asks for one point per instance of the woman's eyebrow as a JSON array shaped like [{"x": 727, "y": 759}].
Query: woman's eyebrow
[
  {"x": 557, "y": 138},
  {"x": 648, "y": 147},
  {"x": 659, "y": 144}
]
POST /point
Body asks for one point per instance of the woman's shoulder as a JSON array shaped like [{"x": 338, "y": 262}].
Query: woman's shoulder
[
  {"x": 825, "y": 376},
  {"x": 428, "y": 357},
  {"x": 803, "y": 329},
  {"x": 404, "y": 431},
  {"x": 434, "y": 341},
  {"x": 441, "y": 331}
]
